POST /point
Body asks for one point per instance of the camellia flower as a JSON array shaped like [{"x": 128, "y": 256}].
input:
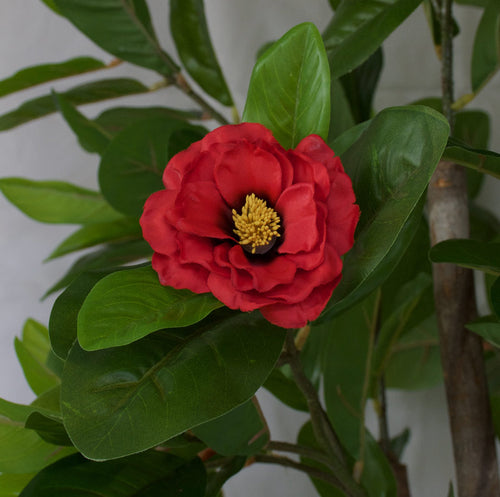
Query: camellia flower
[{"x": 258, "y": 226}]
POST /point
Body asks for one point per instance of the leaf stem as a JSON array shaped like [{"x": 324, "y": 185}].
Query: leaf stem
[{"x": 303, "y": 451}]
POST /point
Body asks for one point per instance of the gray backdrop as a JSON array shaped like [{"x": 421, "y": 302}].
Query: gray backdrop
[{"x": 31, "y": 34}]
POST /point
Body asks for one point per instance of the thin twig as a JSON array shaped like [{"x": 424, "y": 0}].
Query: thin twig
[{"x": 301, "y": 450}]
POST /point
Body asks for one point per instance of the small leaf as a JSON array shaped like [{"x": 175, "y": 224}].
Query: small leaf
[
  {"x": 359, "y": 27},
  {"x": 122, "y": 28},
  {"x": 128, "y": 305},
  {"x": 286, "y": 390},
  {"x": 399, "y": 443},
  {"x": 189, "y": 29},
  {"x": 36, "y": 75},
  {"x": 91, "y": 137},
  {"x": 132, "y": 166},
  {"x": 166, "y": 383},
  {"x": 486, "y": 51},
  {"x": 48, "y": 429},
  {"x": 91, "y": 235},
  {"x": 57, "y": 202},
  {"x": 389, "y": 179},
  {"x": 289, "y": 90},
  {"x": 32, "y": 352},
  {"x": 487, "y": 327},
  {"x": 95, "y": 91},
  {"x": 143, "y": 475},
  {"x": 238, "y": 432},
  {"x": 468, "y": 253},
  {"x": 217, "y": 478}
]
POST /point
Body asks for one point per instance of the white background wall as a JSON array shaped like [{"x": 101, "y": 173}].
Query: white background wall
[{"x": 31, "y": 34}]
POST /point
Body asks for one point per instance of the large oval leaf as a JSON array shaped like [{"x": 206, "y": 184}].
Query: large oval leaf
[
  {"x": 143, "y": 475},
  {"x": 289, "y": 89},
  {"x": 359, "y": 27},
  {"x": 127, "y": 399},
  {"x": 132, "y": 166},
  {"x": 57, "y": 201},
  {"x": 390, "y": 165},
  {"x": 128, "y": 305},
  {"x": 122, "y": 28},
  {"x": 189, "y": 29}
]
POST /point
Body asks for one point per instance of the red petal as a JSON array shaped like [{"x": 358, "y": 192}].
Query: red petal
[
  {"x": 247, "y": 169},
  {"x": 315, "y": 147},
  {"x": 297, "y": 209},
  {"x": 298, "y": 315},
  {"x": 250, "y": 132},
  {"x": 312, "y": 172},
  {"x": 204, "y": 212}
]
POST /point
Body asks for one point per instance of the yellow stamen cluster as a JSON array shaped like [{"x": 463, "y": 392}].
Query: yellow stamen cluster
[{"x": 257, "y": 224}]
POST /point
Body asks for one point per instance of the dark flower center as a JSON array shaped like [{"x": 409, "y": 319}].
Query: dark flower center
[{"x": 257, "y": 226}]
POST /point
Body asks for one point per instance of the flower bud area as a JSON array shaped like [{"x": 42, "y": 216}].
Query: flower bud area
[{"x": 257, "y": 226}]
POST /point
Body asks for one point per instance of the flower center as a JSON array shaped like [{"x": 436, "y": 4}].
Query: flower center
[{"x": 257, "y": 225}]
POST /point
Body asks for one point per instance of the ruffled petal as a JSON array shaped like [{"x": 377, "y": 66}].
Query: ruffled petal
[
  {"x": 297, "y": 209},
  {"x": 298, "y": 315},
  {"x": 316, "y": 149},
  {"x": 311, "y": 172},
  {"x": 249, "y": 132},
  {"x": 246, "y": 170}
]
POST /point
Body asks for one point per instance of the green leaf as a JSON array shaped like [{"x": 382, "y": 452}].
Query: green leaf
[
  {"x": 389, "y": 179},
  {"x": 341, "y": 118},
  {"x": 36, "y": 75},
  {"x": 91, "y": 137},
  {"x": 415, "y": 360},
  {"x": 289, "y": 90},
  {"x": 346, "y": 378},
  {"x": 128, "y": 305},
  {"x": 238, "y": 432},
  {"x": 11, "y": 485},
  {"x": 51, "y": 5},
  {"x": 217, "y": 478},
  {"x": 468, "y": 253},
  {"x": 189, "y": 29},
  {"x": 116, "y": 119},
  {"x": 57, "y": 202},
  {"x": 360, "y": 85},
  {"x": 64, "y": 314},
  {"x": 166, "y": 383},
  {"x": 122, "y": 28},
  {"x": 95, "y": 91},
  {"x": 487, "y": 327},
  {"x": 486, "y": 51},
  {"x": 344, "y": 141},
  {"x": 110, "y": 256},
  {"x": 32, "y": 352},
  {"x": 131, "y": 168},
  {"x": 495, "y": 296},
  {"x": 49, "y": 429},
  {"x": 94, "y": 234},
  {"x": 399, "y": 443},
  {"x": 451, "y": 492},
  {"x": 484, "y": 161},
  {"x": 359, "y": 27},
  {"x": 286, "y": 390},
  {"x": 484, "y": 225},
  {"x": 143, "y": 475}
]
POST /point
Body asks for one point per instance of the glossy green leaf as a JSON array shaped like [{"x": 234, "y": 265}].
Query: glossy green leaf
[
  {"x": 91, "y": 235},
  {"x": 92, "y": 138},
  {"x": 110, "y": 256},
  {"x": 238, "y": 432},
  {"x": 11, "y": 485},
  {"x": 122, "y": 28},
  {"x": 487, "y": 327},
  {"x": 360, "y": 85},
  {"x": 32, "y": 352},
  {"x": 468, "y": 253},
  {"x": 345, "y": 140},
  {"x": 347, "y": 375},
  {"x": 48, "y": 429},
  {"x": 64, "y": 314},
  {"x": 415, "y": 360},
  {"x": 131, "y": 168},
  {"x": 359, "y": 27},
  {"x": 144, "y": 475},
  {"x": 341, "y": 118},
  {"x": 116, "y": 119},
  {"x": 484, "y": 161},
  {"x": 36, "y": 75},
  {"x": 389, "y": 180},
  {"x": 128, "y": 305},
  {"x": 307, "y": 439},
  {"x": 189, "y": 29},
  {"x": 166, "y": 383},
  {"x": 486, "y": 52},
  {"x": 95, "y": 91},
  {"x": 289, "y": 90},
  {"x": 285, "y": 389},
  {"x": 57, "y": 202}
]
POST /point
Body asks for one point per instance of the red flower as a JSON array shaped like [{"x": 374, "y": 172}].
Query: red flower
[{"x": 258, "y": 226}]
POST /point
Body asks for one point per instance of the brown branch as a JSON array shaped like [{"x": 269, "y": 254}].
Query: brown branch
[{"x": 461, "y": 351}]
